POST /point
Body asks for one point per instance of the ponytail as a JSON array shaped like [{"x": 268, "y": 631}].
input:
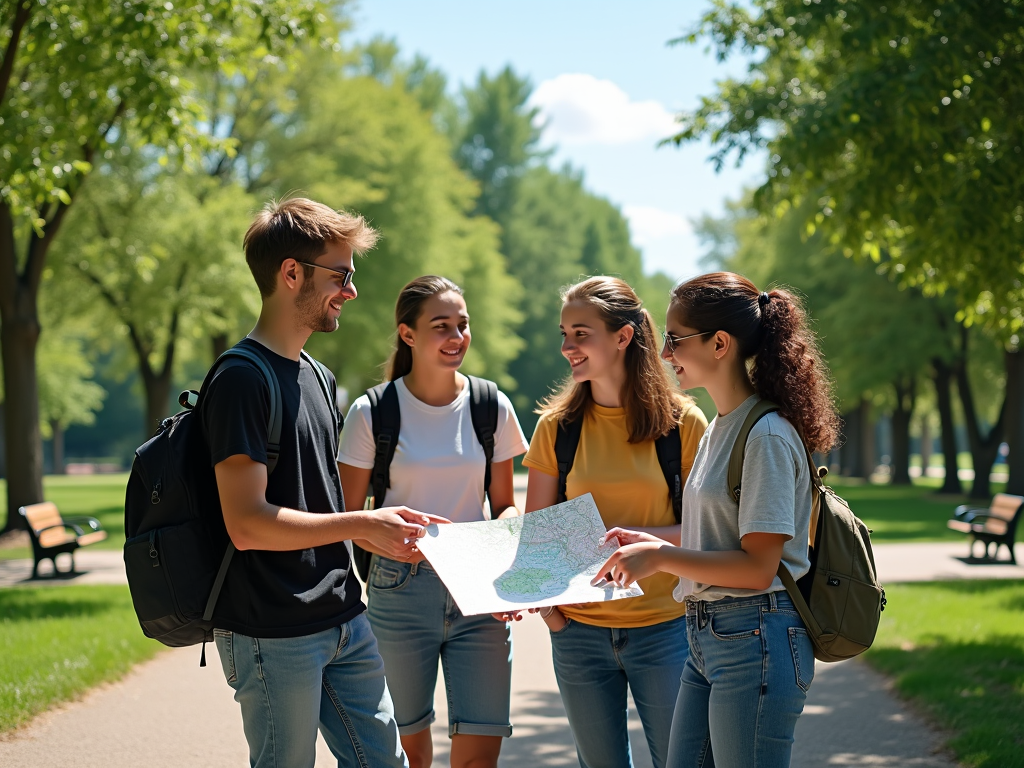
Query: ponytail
[
  {"x": 773, "y": 334},
  {"x": 408, "y": 309}
]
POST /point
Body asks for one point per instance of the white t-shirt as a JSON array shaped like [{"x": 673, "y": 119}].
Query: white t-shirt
[{"x": 439, "y": 463}]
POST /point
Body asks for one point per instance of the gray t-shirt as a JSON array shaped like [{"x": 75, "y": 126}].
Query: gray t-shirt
[{"x": 776, "y": 496}]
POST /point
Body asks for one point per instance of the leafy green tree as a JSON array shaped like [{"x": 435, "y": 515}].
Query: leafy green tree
[
  {"x": 879, "y": 339},
  {"x": 554, "y": 231},
  {"x": 893, "y": 127},
  {"x": 67, "y": 393},
  {"x": 556, "y": 234},
  {"x": 75, "y": 78},
  {"x": 163, "y": 256},
  {"x": 366, "y": 144},
  {"x": 496, "y": 139}
]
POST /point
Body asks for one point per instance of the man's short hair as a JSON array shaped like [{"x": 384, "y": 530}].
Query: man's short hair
[{"x": 299, "y": 229}]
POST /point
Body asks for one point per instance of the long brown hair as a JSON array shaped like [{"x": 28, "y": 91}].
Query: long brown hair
[
  {"x": 651, "y": 400},
  {"x": 408, "y": 309},
  {"x": 773, "y": 333}
]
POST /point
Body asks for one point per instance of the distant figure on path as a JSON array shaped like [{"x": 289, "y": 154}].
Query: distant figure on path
[
  {"x": 751, "y": 661},
  {"x": 293, "y": 641}
]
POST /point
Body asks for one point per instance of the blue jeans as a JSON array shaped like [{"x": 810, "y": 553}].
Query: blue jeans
[
  {"x": 594, "y": 666},
  {"x": 416, "y": 622},
  {"x": 289, "y": 686},
  {"x": 751, "y": 663}
]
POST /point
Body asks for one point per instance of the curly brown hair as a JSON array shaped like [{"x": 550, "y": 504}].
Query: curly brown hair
[
  {"x": 775, "y": 338},
  {"x": 653, "y": 403}
]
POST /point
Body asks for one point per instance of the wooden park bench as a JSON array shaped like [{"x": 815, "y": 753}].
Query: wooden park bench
[
  {"x": 52, "y": 535},
  {"x": 992, "y": 527}
]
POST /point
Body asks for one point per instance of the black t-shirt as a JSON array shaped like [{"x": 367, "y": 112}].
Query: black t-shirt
[{"x": 282, "y": 594}]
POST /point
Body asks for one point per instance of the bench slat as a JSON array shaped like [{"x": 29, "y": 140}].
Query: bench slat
[
  {"x": 1005, "y": 506},
  {"x": 42, "y": 515}
]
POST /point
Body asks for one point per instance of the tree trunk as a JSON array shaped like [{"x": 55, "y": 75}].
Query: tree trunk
[
  {"x": 158, "y": 395},
  {"x": 219, "y": 343},
  {"x": 943, "y": 380},
  {"x": 984, "y": 448},
  {"x": 1014, "y": 361},
  {"x": 3, "y": 444},
  {"x": 19, "y": 336},
  {"x": 926, "y": 445},
  {"x": 849, "y": 457},
  {"x": 868, "y": 457},
  {"x": 57, "y": 445},
  {"x": 901, "y": 417}
]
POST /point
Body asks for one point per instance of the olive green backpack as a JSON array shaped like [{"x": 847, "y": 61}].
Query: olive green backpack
[{"x": 839, "y": 599}]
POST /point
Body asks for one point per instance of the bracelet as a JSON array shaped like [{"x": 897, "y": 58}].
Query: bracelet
[{"x": 545, "y": 612}]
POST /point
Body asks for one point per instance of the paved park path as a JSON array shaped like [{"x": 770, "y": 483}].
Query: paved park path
[{"x": 169, "y": 712}]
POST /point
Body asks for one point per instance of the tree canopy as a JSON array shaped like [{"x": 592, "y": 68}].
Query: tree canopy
[{"x": 890, "y": 126}]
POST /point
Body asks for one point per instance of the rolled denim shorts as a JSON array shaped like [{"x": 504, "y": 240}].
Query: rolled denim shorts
[{"x": 416, "y": 622}]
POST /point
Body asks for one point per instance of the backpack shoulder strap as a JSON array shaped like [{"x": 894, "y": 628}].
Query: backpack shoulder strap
[
  {"x": 386, "y": 419},
  {"x": 567, "y": 440},
  {"x": 323, "y": 379},
  {"x": 274, "y": 422},
  {"x": 669, "y": 448},
  {"x": 234, "y": 356},
  {"x": 761, "y": 409},
  {"x": 483, "y": 408}
]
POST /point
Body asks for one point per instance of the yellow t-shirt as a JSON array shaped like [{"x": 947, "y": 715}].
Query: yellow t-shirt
[{"x": 630, "y": 491}]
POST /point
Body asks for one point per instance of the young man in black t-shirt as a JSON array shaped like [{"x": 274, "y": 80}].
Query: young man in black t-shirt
[{"x": 291, "y": 634}]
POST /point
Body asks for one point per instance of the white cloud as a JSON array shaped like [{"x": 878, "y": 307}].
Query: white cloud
[
  {"x": 580, "y": 109},
  {"x": 649, "y": 225}
]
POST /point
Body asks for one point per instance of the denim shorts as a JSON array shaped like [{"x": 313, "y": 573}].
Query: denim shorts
[
  {"x": 744, "y": 684},
  {"x": 416, "y": 623}
]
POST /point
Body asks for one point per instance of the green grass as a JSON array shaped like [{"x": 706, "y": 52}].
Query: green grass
[
  {"x": 99, "y": 496},
  {"x": 956, "y": 649},
  {"x": 901, "y": 513},
  {"x": 56, "y": 642}
]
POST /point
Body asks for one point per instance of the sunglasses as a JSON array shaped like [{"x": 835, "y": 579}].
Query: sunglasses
[
  {"x": 672, "y": 341},
  {"x": 346, "y": 275}
]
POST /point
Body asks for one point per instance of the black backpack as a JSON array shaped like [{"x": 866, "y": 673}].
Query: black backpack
[
  {"x": 177, "y": 551},
  {"x": 670, "y": 456},
  {"x": 386, "y": 417}
]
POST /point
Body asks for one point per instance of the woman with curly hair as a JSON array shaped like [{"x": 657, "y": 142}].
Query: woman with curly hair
[{"x": 751, "y": 661}]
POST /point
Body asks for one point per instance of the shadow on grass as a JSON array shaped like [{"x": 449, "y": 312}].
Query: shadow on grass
[
  {"x": 26, "y": 604},
  {"x": 973, "y": 688},
  {"x": 901, "y": 513}
]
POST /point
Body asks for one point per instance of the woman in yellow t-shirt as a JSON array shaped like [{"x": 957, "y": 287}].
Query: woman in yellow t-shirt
[{"x": 626, "y": 400}]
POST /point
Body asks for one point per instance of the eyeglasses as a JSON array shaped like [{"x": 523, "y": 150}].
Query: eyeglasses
[
  {"x": 672, "y": 341},
  {"x": 346, "y": 275}
]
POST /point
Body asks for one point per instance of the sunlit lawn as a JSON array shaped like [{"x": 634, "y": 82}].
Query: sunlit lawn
[
  {"x": 99, "y": 496},
  {"x": 902, "y": 513},
  {"x": 56, "y": 642},
  {"x": 956, "y": 649}
]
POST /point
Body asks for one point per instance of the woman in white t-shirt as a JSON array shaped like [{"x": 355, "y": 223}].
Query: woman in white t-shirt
[{"x": 438, "y": 467}]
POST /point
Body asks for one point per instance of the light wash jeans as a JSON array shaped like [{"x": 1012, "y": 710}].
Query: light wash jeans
[
  {"x": 416, "y": 622},
  {"x": 594, "y": 666},
  {"x": 751, "y": 663},
  {"x": 288, "y": 687}
]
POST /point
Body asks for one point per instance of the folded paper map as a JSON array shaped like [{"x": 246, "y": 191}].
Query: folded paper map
[{"x": 547, "y": 557}]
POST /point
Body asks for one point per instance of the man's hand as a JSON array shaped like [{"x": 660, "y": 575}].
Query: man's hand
[
  {"x": 394, "y": 531},
  {"x": 630, "y": 563}
]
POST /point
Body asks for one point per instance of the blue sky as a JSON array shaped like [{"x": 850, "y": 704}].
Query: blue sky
[{"x": 607, "y": 84}]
